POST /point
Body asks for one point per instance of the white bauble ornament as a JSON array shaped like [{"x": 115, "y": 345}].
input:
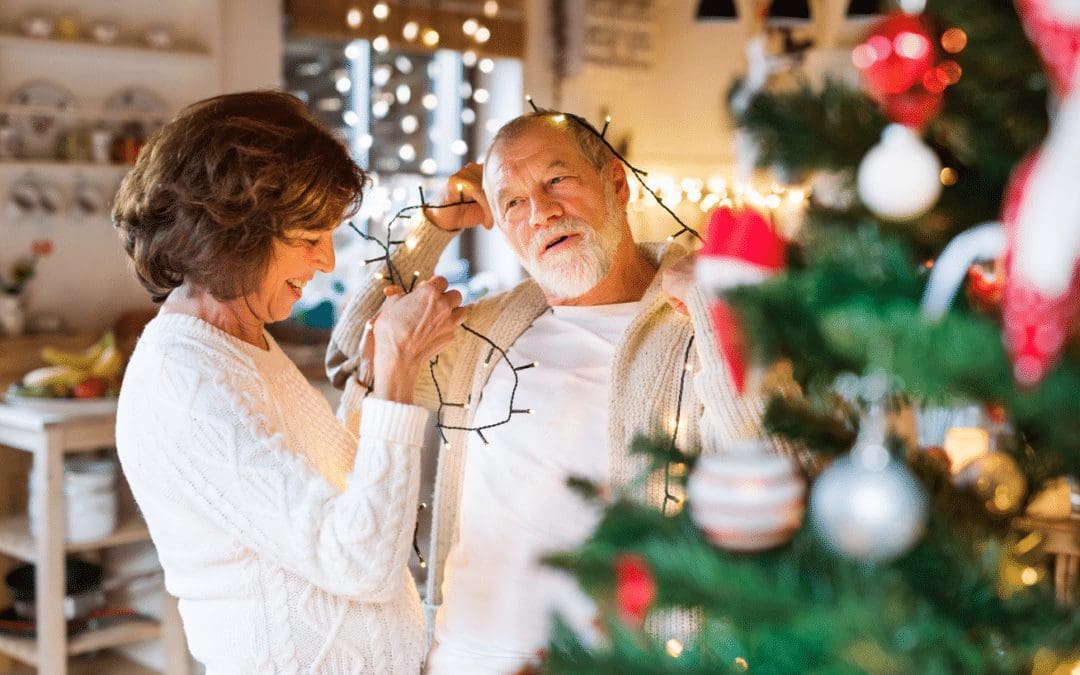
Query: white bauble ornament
[
  {"x": 900, "y": 178},
  {"x": 747, "y": 498},
  {"x": 866, "y": 505}
]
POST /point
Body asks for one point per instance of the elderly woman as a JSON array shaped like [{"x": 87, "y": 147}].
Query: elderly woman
[{"x": 284, "y": 534}]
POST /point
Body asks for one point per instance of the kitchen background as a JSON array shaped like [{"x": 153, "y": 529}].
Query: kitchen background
[{"x": 416, "y": 88}]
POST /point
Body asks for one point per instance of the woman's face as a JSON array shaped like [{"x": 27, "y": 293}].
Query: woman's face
[{"x": 293, "y": 262}]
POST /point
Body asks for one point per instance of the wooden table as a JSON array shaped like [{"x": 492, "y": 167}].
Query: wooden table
[{"x": 49, "y": 435}]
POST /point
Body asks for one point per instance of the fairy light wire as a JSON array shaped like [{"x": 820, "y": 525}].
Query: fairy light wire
[
  {"x": 668, "y": 495},
  {"x": 638, "y": 173}
]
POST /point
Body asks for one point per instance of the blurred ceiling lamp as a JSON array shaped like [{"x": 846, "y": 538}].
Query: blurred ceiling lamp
[
  {"x": 824, "y": 17},
  {"x": 786, "y": 9}
]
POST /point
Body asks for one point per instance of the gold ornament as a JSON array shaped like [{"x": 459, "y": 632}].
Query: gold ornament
[
  {"x": 996, "y": 480},
  {"x": 1058, "y": 499}
]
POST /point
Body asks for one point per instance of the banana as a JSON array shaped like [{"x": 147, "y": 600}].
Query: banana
[
  {"x": 110, "y": 362},
  {"x": 48, "y": 376},
  {"x": 82, "y": 360}
]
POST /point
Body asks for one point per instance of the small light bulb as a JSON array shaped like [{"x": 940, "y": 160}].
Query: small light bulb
[
  {"x": 674, "y": 648},
  {"x": 380, "y": 11},
  {"x": 354, "y": 18}
]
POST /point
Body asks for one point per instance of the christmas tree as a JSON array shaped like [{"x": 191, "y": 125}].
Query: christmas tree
[{"x": 941, "y": 425}]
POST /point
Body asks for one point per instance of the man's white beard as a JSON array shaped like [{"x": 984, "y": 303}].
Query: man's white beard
[{"x": 578, "y": 269}]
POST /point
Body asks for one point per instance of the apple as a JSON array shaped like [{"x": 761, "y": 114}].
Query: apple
[{"x": 91, "y": 387}]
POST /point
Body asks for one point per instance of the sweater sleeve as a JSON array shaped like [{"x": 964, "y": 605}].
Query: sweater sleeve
[
  {"x": 342, "y": 362},
  {"x": 727, "y": 415},
  {"x": 233, "y": 467}
]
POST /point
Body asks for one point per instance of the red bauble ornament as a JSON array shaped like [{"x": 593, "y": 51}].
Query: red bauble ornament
[
  {"x": 741, "y": 247},
  {"x": 896, "y": 56},
  {"x": 635, "y": 588},
  {"x": 913, "y": 108}
]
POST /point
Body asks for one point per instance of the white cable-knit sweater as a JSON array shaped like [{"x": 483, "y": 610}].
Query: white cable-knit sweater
[{"x": 284, "y": 539}]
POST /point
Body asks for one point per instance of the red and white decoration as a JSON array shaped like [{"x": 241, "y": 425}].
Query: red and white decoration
[
  {"x": 900, "y": 178},
  {"x": 1042, "y": 207},
  {"x": 747, "y": 498},
  {"x": 741, "y": 247}
]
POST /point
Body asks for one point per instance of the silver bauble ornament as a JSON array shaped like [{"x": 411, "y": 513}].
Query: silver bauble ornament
[{"x": 867, "y": 506}]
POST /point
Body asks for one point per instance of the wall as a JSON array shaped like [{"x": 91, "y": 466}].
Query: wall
[
  {"x": 86, "y": 281},
  {"x": 673, "y": 113}
]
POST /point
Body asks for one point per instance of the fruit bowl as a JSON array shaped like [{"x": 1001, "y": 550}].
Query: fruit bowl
[{"x": 68, "y": 406}]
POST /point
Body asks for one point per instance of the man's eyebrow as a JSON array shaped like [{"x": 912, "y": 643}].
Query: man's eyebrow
[{"x": 555, "y": 164}]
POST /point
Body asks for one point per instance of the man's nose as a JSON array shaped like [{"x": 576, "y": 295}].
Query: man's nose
[{"x": 544, "y": 208}]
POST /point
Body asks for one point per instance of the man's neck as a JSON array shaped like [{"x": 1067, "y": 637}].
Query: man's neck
[{"x": 626, "y": 281}]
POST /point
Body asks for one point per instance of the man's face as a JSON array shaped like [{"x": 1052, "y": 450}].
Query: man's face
[{"x": 561, "y": 216}]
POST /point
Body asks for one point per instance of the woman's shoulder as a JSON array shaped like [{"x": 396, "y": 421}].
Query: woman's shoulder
[{"x": 179, "y": 347}]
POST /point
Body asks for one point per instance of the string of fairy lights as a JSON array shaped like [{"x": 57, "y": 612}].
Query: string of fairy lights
[
  {"x": 669, "y": 496},
  {"x": 394, "y": 276}
]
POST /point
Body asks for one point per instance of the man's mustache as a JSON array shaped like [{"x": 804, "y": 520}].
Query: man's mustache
[{"x": 565, "y": 227}]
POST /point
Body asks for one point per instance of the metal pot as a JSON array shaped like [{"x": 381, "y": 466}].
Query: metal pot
[{"x": 83, "y": 583}]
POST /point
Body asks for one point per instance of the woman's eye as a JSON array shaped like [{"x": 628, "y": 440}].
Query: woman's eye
[
  {"x": 512, "y": 203},
  {"x": 557, "y": 179}
]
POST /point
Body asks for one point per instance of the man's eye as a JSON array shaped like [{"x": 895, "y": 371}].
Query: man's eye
[
  {"x": 512, "y": 203},
  {"x": 557, "y": 179}
]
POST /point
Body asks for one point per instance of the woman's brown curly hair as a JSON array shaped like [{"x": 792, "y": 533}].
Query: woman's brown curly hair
[{"x": 214, "y": 188}]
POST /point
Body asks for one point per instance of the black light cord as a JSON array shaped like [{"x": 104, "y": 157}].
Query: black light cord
[
  {"x": 668, "y": 495},
  {"x": 638, "y": 173}
]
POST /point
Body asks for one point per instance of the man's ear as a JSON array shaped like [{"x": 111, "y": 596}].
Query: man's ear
[{"x": 617, "y": 176}]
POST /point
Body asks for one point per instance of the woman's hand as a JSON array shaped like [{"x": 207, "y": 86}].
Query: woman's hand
[
  {"x": 465, "y": 185},
  {"x": 410, "y": 329},
  {"x": 676, "y": 281}
]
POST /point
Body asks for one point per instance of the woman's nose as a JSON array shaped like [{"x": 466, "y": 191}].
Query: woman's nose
[{"x": 324, "y": 255}]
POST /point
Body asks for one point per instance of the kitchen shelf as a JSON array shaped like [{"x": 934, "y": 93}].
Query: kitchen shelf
[
  {"x": 25, "y": 649},
  {"x": 84, "y": 112},
  {"x": 52, "y": 165},
  {"x": 16, "y": 540},
  {"x": 83, "y": 47}
]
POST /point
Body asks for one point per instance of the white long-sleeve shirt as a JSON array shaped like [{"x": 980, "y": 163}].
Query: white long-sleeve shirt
[{"x": 285, "y": 539}]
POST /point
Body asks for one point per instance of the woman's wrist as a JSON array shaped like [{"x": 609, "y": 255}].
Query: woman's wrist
[{"x": 395, "y": 379}]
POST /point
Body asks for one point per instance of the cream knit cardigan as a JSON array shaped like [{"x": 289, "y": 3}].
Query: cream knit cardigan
[
  {"x": 285, "y": 541},
  {"x": 645, "y": 381}
]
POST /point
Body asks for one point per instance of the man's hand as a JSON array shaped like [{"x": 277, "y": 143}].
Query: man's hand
[
  {"x": 465, "y": 185},
  {"x": 675, "y": 282}
]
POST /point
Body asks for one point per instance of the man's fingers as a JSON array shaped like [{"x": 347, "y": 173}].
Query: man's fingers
[{"x": 440, "y": 284}]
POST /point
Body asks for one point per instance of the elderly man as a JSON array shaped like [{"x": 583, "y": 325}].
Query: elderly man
[{"x": 599, "y": 317}]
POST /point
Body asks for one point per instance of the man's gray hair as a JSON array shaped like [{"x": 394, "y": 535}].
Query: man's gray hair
[{"x": 586, "y": 139}]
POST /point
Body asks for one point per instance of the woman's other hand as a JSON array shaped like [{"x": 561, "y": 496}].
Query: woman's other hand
[{"x": 410, "y": 329}]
